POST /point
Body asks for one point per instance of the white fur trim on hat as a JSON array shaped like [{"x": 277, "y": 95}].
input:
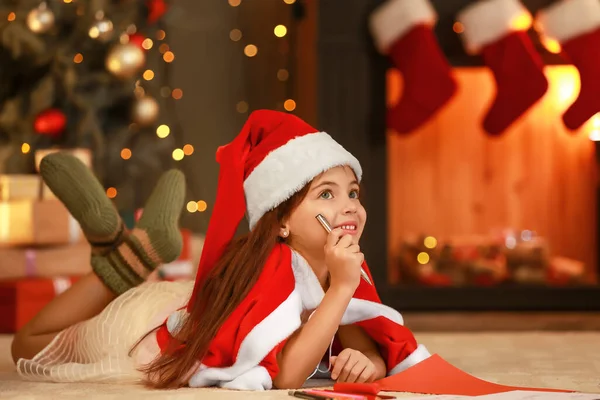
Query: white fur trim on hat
[
  {"x": 568, "y": 19},
  {"x": 287, "y": 169},
  {"x": 487, "y": 21},
  {"x": 390, "y": 21},
  {"x": 420, "y": 354}
]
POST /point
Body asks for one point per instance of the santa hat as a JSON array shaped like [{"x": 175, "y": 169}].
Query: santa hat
[{"x": 274, "y": 156}]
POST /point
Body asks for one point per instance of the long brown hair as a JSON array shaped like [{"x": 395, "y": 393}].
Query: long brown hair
[{"x": 226, "y": 286}]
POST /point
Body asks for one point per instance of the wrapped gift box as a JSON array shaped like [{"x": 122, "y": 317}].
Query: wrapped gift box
[
  {"x": 29, "y": 223},
  {"x": 20, "y": 187},
  {"x": 45, "y": 262},
  {"x": 22, "y": 299}
]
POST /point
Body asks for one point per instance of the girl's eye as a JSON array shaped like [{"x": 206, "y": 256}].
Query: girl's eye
[
  {"x": 326, "y": 195},
  {"x": 354, "y": 194}
]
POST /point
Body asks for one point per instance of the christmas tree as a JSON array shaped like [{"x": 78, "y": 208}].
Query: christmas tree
[{"x": 89, "y": 74}]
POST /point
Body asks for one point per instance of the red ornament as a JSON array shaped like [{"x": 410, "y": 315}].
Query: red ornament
[
  {"x": 156, "y": 9},
  {"x": 51, "y": 122},
  {"x": 137, "y": 39}
]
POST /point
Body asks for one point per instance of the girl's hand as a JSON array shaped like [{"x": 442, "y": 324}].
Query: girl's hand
[
  {"x": 343, "y": 259},
  {"x": 352, "y": 366}
]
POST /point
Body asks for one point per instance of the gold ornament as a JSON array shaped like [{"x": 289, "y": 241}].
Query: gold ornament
[
  {"x": 41, "y": 19},
  {"x": 102, "y": 29},
  {"x": 145, "y": 110},
  {"x": 125, "y": 60}
]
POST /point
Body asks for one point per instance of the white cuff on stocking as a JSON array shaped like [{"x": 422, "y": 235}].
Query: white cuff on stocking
[
  {"x": 392, "y": 20},
  {"x": 487, "y": 21},
  {"x": 568, "y": 19}
]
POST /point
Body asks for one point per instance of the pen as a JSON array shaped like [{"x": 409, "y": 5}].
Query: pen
[
  {"x": 310, "y": 396},
  {"x": 327, "y": 227},
  {"x": 338, "y": 395}
]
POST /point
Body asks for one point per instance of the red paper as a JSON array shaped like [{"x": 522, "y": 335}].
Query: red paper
[{"x": 436, "y": 376}]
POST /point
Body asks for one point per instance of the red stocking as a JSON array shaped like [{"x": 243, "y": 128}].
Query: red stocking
[
  {"x": 576, "y": 25},
  {"x": 402, "y": 30},
  {"x": 509, "y": 53}
]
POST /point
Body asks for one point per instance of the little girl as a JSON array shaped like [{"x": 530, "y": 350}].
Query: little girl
[{"x": 265, "y": 309}]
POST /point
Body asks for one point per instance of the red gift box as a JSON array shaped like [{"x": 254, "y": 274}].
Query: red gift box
[{"x": 22, "y": 299}]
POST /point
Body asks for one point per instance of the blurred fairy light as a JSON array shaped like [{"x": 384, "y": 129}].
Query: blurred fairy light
[
  {"x": 169, "y": 56},
  {"x": 125, "y": 154},
  {"x": 235, "y": 35},
  {"x": 458, "y": 27},
  {"x": 430, "y": 242},
  {"x": 423, "y": 258},
  {"x": 160, "y": 35},
  {"x": 163, "y": 48},
  {"x": 283, "y": 74},
  {"x": 526, "y": 235},
  {"x": 241, "y": 107},
  {"x": 289, "y": 105},
  {"x": 196, "y": 206},
  {"x": 235, "y": 3},
  {"x": 78, "y": 58},
  {"x": 178, "y": 154},
  {"x": 250, "y": 50},
  {"x": 111, "y": 192},
  {"x": 67, "y": 1},
  {"x": 131, "y": 29},
  {"x": 510, "y": 242},
  {"x": 11, "y": 16},
  {"x": 147, "y": 43},
  {"x": 25, "y": 148},
  {"x": 192, "y": 206},
  {"x": 188, "y": 149},
  {"x": 148, "y": 75},
  {"x": 163, "y": 131},
  {"x": 289, "y": 1},
  {"x": 177, "y": 93},
  {"x": 165, "y": 91},
  {"x": 280, "y": 31}
]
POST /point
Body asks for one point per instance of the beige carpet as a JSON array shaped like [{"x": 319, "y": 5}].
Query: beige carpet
[{"x": 560, "y": 360}]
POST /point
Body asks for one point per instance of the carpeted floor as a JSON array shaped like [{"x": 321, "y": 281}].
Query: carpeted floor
[{"x": 566, "y": 360}]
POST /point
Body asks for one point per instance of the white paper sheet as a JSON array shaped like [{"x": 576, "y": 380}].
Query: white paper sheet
[{"x": 531, "y": 395}]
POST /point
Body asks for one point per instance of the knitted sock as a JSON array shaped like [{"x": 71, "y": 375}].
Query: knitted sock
[
  {"x": 79, "y": 190},
  {"x": 155, "y": 240}
]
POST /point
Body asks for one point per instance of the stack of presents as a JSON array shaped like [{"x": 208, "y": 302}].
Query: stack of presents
[
  {"x": 507, "y": 257},
  {"x": 43, "y": 250}
]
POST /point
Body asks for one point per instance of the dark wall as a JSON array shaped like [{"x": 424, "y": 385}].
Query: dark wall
[{"x": 221, "y": 85}]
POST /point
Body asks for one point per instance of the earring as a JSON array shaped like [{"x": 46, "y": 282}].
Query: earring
[{"x": 285, "y": 234}]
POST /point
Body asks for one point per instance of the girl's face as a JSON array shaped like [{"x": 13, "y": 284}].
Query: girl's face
[{"x": 335, "y": 195}]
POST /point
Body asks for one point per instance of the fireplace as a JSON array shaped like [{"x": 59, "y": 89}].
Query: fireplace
[{"x": 458, "y": 220}]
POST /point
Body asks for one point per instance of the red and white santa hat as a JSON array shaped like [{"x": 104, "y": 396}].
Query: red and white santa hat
[{"x": 274, "y": 156}]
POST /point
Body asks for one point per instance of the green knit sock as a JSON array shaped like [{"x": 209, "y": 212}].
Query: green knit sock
[
  {"x": 79, "y": 190},
  {"x": 155, "y": 240}
]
